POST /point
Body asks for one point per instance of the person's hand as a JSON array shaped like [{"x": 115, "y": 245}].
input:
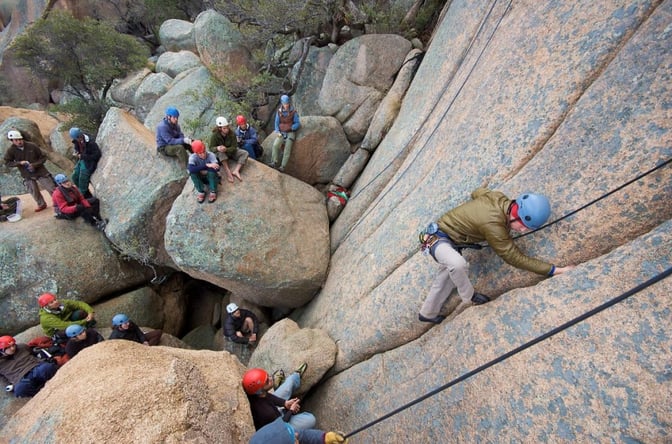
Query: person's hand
[
  {"x": 214, "y": 166},
  {"x": 560, "y": 270},
  {"x": 79, "y": 208},
  {"x": 187, "y": 140},
  {"x": 90, "y": 316},
  {"x": 253, "y": 337},
  {"x": 239, "y": 334},
  {"x": 293, "y": 405},
  {"x": 146, "y": 343},
  {"x": 4, "y": 207},
  {"x": 334, "y": 438}
]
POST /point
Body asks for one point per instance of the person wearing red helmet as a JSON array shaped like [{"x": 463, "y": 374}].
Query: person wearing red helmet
[
  {"x": 25, "y": 373},
  {"x": 267, "y": 406},
  {"x": 203, "y": 165},
  {"x": 56, "y": 314},
  {"x": 247, "y": 138},
  {"x": 223, "y": 143}
]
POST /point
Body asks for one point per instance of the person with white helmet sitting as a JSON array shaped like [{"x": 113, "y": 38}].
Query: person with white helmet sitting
[
  {"x": 488, "y": 217},
  {"x": 25, "y": 372},
  {"x": 69, "y": 203},
  {"x": 241, "y": 325},
  {"x": 29, "y": 159},
  {"x": 224, "y": 144}
]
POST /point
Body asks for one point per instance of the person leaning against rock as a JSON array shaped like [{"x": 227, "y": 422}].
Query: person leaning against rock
[
  {"x": 489, "y": 216},
  {"x": 69, "y": 203},
  {"x": 79, "y": 338},
  {"x": 29, "y": 159},
  {"x": 240, "y": 326},
  {"x": 88, "y": 154},
  {"x": 25, "y": 373},
  {"x": 170, "y": 140},
  {"x": 57, "y": 314},
  {"x": 287, "y": 123}
]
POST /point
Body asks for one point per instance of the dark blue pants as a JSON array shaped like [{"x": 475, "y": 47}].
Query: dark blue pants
[{"x": 34, "y": 380}]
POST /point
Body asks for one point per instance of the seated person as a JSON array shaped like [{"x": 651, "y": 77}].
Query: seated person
[
  {"x": 79, "y": 338},
  {"x": 266, "y": 407},
  {"x": 69, "y": 203},
  {"x": 25, "y": 372},
  {"x": 203, "y": 165},
  {"x": 170, "y": 140},
  {"x": 8, "y": 207},
  {"x": 57, "y": 314},
  {"x": 124, "y": 328},
  {"x": 223, "y": 142},
  {"x": 247, "y": 138},
  {"x": 241, "y": 325},
  {"x": 280, "y": 432}
]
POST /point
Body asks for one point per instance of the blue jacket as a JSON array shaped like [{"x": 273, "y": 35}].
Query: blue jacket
[
  {"x": 248, "y": 136},
  {"x": 168, "y": 134},
  {"x": 285, "y": 114},
  {"x": 196, "y": 164}
]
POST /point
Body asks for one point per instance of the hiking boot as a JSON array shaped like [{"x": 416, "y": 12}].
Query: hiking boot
[
  {"x": 435, "y": 320},
  {"x": 479, "y": 299},
  {"x": 272, "y": 165},
  {"x": 302, "y": 369},
  {"x": 281, "y": 169},
  {"x": 278, "y": 378},
  {"x": 40, "y": 208},
  {"x": 101, "y": 224}
]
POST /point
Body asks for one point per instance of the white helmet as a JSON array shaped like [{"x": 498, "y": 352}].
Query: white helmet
[
  {"x": 231, "y": 308},
  {"x": 14, "y": 135},
  {"x": 221, "y": 121}
]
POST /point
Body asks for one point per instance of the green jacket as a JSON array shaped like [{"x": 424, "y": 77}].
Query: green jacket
[
  {"x": 230, "y": 142},
  {"x": 51, "y": 322},
  {"x": 486, "y": 218}
]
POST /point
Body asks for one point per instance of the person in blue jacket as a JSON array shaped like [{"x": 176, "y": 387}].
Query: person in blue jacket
[
  {"x": 170, "y": 140},
  {"x": 286, "y": 124}
]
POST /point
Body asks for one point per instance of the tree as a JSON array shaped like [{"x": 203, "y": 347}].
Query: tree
[{"x": 83, "y": 56}]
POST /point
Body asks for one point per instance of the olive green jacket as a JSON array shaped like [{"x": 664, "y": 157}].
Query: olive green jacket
[
  {"x": 230, "y": 142},
  {"x": 486, "y": 218},
  {"x": 51, "y": 322}
]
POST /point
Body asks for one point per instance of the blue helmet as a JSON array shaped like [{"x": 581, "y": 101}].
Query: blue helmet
[
  {"x": 119, "y": 319},
  {"x": 74, "y": 330},
  {"x": 172, "y": 112},
  {"x": 75, "y": 133},
  {"x": 284, "y": 99},
  {"x": 60, "y": 178},
  {"x": 533, "y": 210}
]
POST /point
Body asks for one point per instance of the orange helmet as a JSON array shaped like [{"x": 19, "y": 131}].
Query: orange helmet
[
  {"x": 241, "y": 121},
  {"x": 197, "y": 147},
  {"x": 46, "y": 299},
  {"x": 254, "y": 380},
  {"x": 6, "y": 342}
]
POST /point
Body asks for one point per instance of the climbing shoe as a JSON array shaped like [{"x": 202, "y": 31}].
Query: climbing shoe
[
  {"x": 302, "y": 369},
  {"x": 278, "y": 378},
  {"x": 435, "y": 320},
  {"x": 479, "y": 299}
]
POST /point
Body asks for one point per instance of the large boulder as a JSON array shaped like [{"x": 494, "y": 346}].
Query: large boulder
[
  {"x": 320, "y": 150},
  {"x": 265, "y": 239},
  {"x": 136, "y": 186},
  {"x": 358, "y": 77},
  {"x": 141, "y": 394},
  {"x": 309, "y": 78},
  {"x": 177, "y": 35},
  {"x": 221, "y": 49},
  {"x": 124, "y": 90},
  {"x": 152, "y": 87},
  {"x": 173, "y": 63}
]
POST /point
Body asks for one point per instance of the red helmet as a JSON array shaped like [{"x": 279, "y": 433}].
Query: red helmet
[
  {"x": 46, "y": 299},
  {"x": 6, "y": 342},
  {"x": 241, "y": 121},
  {"x": 197, "y": 147},
  {"x": 254, "y": 380}
]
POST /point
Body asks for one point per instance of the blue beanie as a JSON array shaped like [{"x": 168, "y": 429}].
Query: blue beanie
[{"x": 276, "y": 432}]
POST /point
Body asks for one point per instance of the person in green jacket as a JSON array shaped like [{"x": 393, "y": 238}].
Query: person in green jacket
[
  {"x": 57, "y": 314},
  {"x": 224, "y": 144},
  {"x": 490, "y": 216}
]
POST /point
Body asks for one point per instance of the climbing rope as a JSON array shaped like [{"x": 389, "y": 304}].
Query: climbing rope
[{"x": 519, "y": 349}]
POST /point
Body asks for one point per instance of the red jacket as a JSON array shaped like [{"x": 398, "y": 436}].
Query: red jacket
[{"x": 61, "y": 203}]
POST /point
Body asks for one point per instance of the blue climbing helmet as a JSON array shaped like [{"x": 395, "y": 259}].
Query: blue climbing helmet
[
  {"x": 284, "y": 99},
  {"x": 75, "y": 133},
  {"x": 119, "y": 319},
  {"x": 73, "y": 330},
  {"x": 172, "y": 112},
  {"x": 60, "y": 178},
  {"x": 533, "y": 210}
]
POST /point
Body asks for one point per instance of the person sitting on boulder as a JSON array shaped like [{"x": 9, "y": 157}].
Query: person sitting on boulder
[
  {"x": 25, "y": 373},
  {"x": 69, "y": 203},
  {"x": 29, "y": 159},
  {"x": 489, "y": 216},
  {"x": 224, "y": 144},
  {"x": 203, "y": 164},
  {"x": 57, "y": 314},
  {"x": 287, "y": 123},
  {"x": 280, "y": 432},
  {"x": 88, "y": 154},
  {"x": 266, "y": 406},
  {"x": 124, "y": 328},
  {"x": 170, "y": 140},
  {"x": 247, "y": 138},
  {"x": 8, "y": 207},
  {"x": 241, "y": 326},
  {"x": 79, "y": 338}
]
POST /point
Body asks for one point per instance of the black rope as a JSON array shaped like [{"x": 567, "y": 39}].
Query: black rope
[{"x": 519, "y": 349}]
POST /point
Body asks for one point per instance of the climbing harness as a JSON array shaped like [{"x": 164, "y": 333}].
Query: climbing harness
[
  {"x": 521, "y": 348},
  {"x": 432, "y": 236}
]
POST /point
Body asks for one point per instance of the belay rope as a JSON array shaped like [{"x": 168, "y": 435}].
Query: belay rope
[{"x": 525, "y": 346}]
